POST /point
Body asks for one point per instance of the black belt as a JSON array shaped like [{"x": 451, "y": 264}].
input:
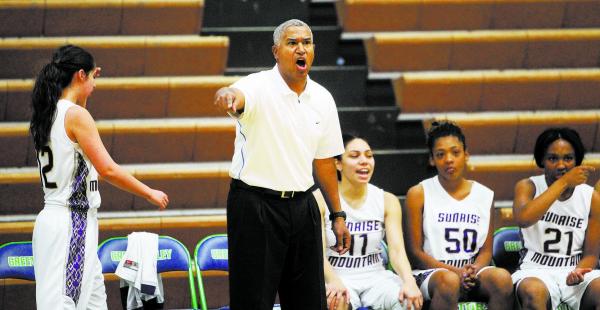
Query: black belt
[{"x": 235, "y": 183}]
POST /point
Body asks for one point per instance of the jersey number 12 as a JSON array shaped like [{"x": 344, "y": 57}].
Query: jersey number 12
[{"x": 47, "y": 168}]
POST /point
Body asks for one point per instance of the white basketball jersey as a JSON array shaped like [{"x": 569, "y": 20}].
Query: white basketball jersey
[
  {"x": 556, "y": 240},
  {"x": 366, "y": 227},
  {"x": 453, "y": 230},
  {"x": 68, "y": 178}
]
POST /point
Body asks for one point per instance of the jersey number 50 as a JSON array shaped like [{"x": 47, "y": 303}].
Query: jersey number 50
[{"x": 469, "y": 240}]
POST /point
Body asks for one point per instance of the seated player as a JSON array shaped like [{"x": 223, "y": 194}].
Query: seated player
[
  {"x": 359, "y": 275},
  {"x": 448, "y": 228},
  {"x": 559, "y": 216}
]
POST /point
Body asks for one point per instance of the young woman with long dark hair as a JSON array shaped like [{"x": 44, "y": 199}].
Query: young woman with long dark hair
[{"x": 70, "y": 156}]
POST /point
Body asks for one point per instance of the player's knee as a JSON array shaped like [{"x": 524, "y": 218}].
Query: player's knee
[
  {"x": 532, "y": 290},
  {"x": 592, "y": 293},
  {"x": 500, "y": 282},
  {"x": 445, "y": 284}
]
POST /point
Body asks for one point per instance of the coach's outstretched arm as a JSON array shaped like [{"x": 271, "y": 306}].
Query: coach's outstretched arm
[{"x": 230, "y": 100}]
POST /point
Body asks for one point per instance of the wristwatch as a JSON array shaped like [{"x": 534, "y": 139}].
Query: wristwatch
[{"x": 333, "y": 215}]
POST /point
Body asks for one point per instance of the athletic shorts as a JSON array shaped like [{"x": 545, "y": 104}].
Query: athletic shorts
[
  {"x": 378, "y": 289},
  {"x": 555, "y": 281},
  {"x": 422, "y": 278},
  {"x": 51, "y": 245}
]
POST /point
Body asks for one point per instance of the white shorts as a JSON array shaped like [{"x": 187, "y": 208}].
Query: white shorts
[
  {"x": 51, "y": 243},
  {"x": 378, "y": 289},
  {"x": 423, "y": 276},
  {"x": 555, "y": 281}
]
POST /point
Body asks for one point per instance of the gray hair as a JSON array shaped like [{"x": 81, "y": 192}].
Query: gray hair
[{"x": 285, "y": 25}]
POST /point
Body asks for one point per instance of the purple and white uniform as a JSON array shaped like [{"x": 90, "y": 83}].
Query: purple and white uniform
[
  {"x": 65, "y": 236},
  {"x": 453, "y": 230},
  {"x": 361, "y": 269},
  {"x": 553, "y": 246}
]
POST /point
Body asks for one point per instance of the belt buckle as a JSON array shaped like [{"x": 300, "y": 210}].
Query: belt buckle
[{"x": 290, "y": 194}]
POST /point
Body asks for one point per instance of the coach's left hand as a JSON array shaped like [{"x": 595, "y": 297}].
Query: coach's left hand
[{"x": 342, "y": 236}]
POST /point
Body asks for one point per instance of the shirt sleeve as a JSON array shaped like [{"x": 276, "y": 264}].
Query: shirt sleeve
[
  {"x": 248, "y": 86},
  {"x": 331, "y": 143}
]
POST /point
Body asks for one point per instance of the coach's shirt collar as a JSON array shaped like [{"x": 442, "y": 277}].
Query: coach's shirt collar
[{"x": 283, "y": 87}]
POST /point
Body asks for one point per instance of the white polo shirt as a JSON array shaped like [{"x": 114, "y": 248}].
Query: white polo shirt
[{"x": 280, "y": 133}]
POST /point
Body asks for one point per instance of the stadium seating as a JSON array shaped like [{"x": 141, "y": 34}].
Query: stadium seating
[
  {"x": 172, "y": 256},
  {"x": 128, "y": 97},
  {"x": 133, "y": 140},
  {"x": 16, "y": 261},
  {"x": 121, "y": 56},
  {"x": 513, "y": 132},
  {"x": 497, "y": 49},
  {"x": 155, "y": 96},
  {"x": 101, "y": 17},
  {"x": 411, "y": 15},
  {"x": 502, "y": 172},
  {"x": 211, "y": 253},
  {"x": 493, "y": 90},
  {"x": 142, "y": 221},
  {"x": 190, "y": 186},
  {"x": 506, "y": 247},
  {"x": 533, "y": 57}
]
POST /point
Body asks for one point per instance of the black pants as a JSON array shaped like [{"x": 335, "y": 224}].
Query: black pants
[{"x": 275, "y": 246}]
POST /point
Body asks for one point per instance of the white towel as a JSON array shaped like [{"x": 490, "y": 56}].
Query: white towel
[{"x": 137, "y": 269}]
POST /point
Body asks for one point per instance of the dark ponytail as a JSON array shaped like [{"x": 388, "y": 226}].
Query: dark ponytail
[{"x": 49, "y": 84}]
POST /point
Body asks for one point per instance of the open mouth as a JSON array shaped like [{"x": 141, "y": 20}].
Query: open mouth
[
  {"x": 363, "y": 172},
  {"x": 301, "y": 64}
]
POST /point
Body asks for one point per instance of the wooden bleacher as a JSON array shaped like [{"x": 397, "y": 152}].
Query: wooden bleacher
[
  {"x": 153, "y": 106},
  {"x": 418, "y": 15},
  {"x": 503, "y": 70},
  {"x": 489, "y": 46},
  {"x": 121, "y": 55},
  {"x": 129, "y": 97},
  {"x": 33, "y": 18},
  {"x": 514, "y": 132},
  {"x": 502, "y": 172},
  {"x": 135, "y": 140},
  {"x": 483, "y": 49},
  {"x": 194, "y": 185},
  {"x": 494, "y": 90}
]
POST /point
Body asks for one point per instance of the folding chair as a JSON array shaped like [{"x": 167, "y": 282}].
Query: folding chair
[
  {"x": 506, "y": 247},
  {"x": 472, "y": 305},
  {"x": 172, "y": 256},
  {"x": 211, "y": 253},
  {"x": 16, "y": 261}
]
